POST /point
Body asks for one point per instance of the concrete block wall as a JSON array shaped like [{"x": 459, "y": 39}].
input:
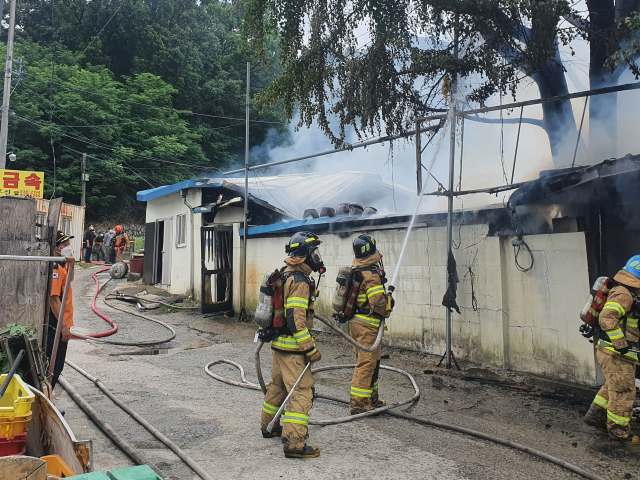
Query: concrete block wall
[{"x": 523, "y": 321}]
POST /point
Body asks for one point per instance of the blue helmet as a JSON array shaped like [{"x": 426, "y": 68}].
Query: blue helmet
[{"x": 633, "y": 266}]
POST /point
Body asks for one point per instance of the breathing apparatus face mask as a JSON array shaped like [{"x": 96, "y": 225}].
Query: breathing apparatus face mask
[
  {"x": 66, "y": 251},
  {"x": 314, "y": 260}
]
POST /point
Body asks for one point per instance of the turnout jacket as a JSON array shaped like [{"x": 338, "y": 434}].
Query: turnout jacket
[
  {"x": 371, "y": 302},
  {"x": 296, "y": 337},
  {"x": 619, "y": 306}
]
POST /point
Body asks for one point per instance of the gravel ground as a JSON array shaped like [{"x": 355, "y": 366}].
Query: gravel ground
[{"x": 218, "y": 424}]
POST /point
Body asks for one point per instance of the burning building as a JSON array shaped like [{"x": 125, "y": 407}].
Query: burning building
[{"x": 525, "y": 270}]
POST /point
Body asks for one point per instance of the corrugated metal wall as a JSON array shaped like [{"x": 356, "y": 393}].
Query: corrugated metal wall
[{"x": 71, "y": 223}]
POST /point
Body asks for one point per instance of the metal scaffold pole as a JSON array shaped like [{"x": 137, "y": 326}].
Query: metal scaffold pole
[
  {"x": 243, "y": 313},
  {"x": 452, "y": 159}
]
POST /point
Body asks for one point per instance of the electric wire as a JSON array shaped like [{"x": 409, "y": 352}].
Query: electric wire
[
  {"x": 122, "y": 100},
  {"x": 517, "y": 247},
  {"x": 98, "y": 34}
]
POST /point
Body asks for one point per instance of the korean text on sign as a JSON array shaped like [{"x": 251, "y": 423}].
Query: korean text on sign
[{"x": 20, "y": 183}]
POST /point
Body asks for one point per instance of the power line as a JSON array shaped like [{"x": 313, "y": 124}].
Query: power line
[
  {"x": 161, "y": 108},
  {"x": 96, "y": 36},
  {"x": 110, "y": 147},
  {"x": 122, "y": 123},
  {"x": 125, "y": 165}
]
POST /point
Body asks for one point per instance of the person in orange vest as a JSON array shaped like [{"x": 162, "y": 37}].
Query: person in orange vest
[
  {"x": 120, "y": 243},
  {"x": 60, "y": 271}
]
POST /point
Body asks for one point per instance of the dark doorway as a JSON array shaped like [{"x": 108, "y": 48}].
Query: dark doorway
[{"x": 217, "y": 268}]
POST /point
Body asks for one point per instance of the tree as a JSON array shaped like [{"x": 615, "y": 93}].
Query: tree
[
  {"x": 135, "y": 84},
  {"x": 394, "y": 77},
  {"x": 132, "y": 135}
]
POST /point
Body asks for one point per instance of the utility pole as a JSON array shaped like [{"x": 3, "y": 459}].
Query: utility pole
[
  {"x": 4, "y": 127},
  {"x": 85, "y": 178},
  {"x": 243, "y": 297},
  {"x": 452, "y": 159}
]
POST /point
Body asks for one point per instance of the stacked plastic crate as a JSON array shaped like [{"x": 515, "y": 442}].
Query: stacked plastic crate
[{"x": 15, "y": 415}]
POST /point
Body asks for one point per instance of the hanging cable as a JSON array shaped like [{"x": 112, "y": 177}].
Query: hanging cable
[
  {"x": 518, "y": 243},
  {"x": 474, "y": 300}
]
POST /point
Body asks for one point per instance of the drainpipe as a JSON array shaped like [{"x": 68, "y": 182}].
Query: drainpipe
[{"x": 192, "y": 234}]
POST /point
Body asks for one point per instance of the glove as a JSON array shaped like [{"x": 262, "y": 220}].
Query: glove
[
  {"x": 315, "y": 357},
  {"x": 622, "y": 351},
  {"x": 621, "y": 346}
]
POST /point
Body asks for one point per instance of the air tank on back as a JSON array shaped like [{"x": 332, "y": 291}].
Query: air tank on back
[
  {"x": 343, "y": 284},
  {"x": 264, "y": 311}
]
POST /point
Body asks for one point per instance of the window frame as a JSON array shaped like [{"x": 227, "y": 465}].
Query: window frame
[
  {"x": 69, "y": 221},
  {"x": 184, "y": 229},
  {"x": 41, "y": 217}
]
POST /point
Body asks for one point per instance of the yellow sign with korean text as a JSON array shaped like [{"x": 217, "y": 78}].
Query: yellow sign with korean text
[{"x": 20, "y": 183}]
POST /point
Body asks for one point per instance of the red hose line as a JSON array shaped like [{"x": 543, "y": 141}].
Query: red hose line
[{"x": 98, "y": 312}]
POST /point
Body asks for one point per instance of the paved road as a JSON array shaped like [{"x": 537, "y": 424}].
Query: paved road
[{"x": 218, "y": 425}]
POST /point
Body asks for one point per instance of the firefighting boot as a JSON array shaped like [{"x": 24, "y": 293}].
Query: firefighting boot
[
  {"x": 375, "y": 400},
  {"x": 596, "y": 416},
  {"x": 359, "y": 405},
  {"x": 276, "y": 432},
  {"x": 631, "y": 442},
  {"x": 306, "y": 452}
]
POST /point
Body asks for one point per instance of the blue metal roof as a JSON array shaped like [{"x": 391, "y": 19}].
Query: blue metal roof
[
  {"x": 323, "y": 224},
  {"x": 146, "y": 195}
]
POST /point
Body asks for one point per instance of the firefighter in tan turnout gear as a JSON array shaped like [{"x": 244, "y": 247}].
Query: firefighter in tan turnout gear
[
  {"x": 371, "y": 308},
  {"x": 613, "y": 406},
  {"x": 293, "y": 349}
]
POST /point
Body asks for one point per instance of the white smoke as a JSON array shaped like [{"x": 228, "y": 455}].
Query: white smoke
[{"x": 488, "y": 148}]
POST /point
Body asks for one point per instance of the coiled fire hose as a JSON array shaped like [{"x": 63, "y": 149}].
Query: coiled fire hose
[
  {"x": 96, "y": 337},
  {"x": 386, "y": 409}
]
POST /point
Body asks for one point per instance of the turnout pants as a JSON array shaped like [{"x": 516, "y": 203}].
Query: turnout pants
[
  {"x": 62, "y": 349},
  {"x": 364, "y": 382},
  {"x": 617, "y": 395},
  {"x": 119, "y": 255},
  {"x": 287, "y": 367}
]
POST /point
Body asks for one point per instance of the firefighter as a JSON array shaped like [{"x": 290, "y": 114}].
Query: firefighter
[
  {"x": 371, "y": 309},
  {"x": 293, "y": 349},
  {"x": 612, "y": 408},
  {"x": 120, "y": 243}
]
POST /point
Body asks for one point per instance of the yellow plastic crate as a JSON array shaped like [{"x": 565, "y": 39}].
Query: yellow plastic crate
[
  {"x": 10, "y": 428},
  {"x": 17, "y": 400}
]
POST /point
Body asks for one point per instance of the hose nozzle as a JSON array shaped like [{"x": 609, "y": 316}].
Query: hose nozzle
[{"x": 390, "y": 302}]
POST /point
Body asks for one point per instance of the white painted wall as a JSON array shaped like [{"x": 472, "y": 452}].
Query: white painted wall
[
  {"x": 182, "y": 258},
  {"x": 524, "y": 321}
]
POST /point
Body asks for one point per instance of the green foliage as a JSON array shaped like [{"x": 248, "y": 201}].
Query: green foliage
[
  {"x": 141, "y": 87},
  {"x": 395, "y": 75},
  {"x": 14, "y": 329},
  {"x": 624, "y": 44}
]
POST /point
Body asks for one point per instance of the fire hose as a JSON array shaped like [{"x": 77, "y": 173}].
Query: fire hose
[
  {"x": 96, "y": 337},
  {"x": 262, "y": 386},
  {"x": 387, "y": 409}
]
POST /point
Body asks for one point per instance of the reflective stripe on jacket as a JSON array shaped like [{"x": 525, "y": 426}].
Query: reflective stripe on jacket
[
  {"x": 619, "y": 306},
  {"x": 371, "y": 301},
  {"x": 296, "y": 305}
]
